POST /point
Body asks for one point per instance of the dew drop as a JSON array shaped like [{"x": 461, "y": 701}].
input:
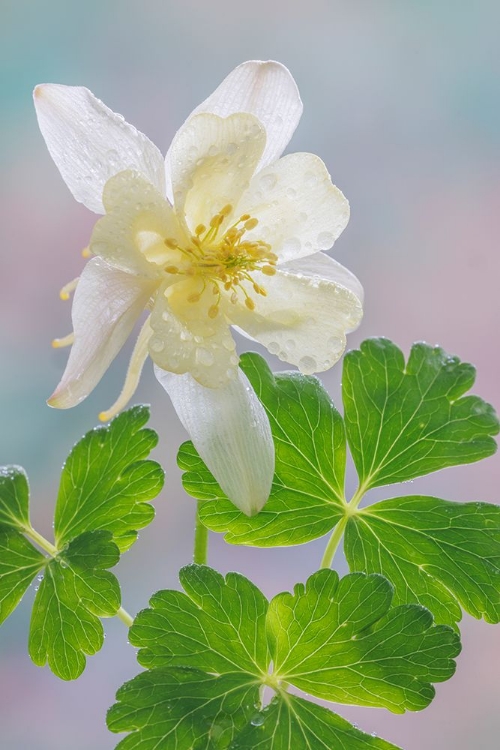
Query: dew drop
[
  {"x": 229, "y": 344},
  {"x": 157, "y": 345},
  {"x": 231, "y": 148},
  {"x": 307, "y": 365},
  {"x": 325, "y": 240},
  {"x": 257, "y": 720},
  {"x": 112, "y": 156},
  {"x": 273, "y": 347},
  {"x": 204, "y": 357},
  {"x": 268, "y": 181},
  {"x": 186, "y": 336},
  {"x": 290, "y": 344}
]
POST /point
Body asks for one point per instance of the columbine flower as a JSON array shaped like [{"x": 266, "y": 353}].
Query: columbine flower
[{"x": 222, "y": 233}]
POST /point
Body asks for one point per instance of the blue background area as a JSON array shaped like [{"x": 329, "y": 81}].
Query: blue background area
[{"x": 402, "y": 102}]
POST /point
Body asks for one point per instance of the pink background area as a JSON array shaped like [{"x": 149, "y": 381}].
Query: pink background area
[{"x": 402, "y": 102}]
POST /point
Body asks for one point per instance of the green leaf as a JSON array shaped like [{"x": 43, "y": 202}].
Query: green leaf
[
  {"x": 218, "y": 625},
  {"x": 407, "y": 420},
  {"x": 292, "y": 722},
  {"x": 14, "y": 497},
  {"x": 106, "y": 483},
  {"x": 307, "y": 495},
  {"x": 20, "y": 562},
  {"x": 76, "y": 591},
  {"x": 182, "y": 709},
  {"x": 441, "y": 554},
  {"x": 340, "y": 640},
  {"x": 209, "y": 650}
]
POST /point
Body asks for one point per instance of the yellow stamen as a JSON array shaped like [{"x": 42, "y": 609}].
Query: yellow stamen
[
  {"x": 65, "y": 292},
  {"x": 200, "y": 229},
  {"x": 251, "y": 224},
  {"x": 86, "y": 252},
  {"x": 172, "y": 244},
  {"x": 172, "y": 269},
  {"x": 250, "y": 303},
  {"x": 194, "y": 297},
  {"x": 213, "y": 311},
  {"x": 268, "y": 270},
  {"x": 65, "y": 341},
  {"x": 139, "y": 356}
]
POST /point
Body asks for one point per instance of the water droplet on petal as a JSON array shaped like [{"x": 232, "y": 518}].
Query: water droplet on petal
[
  {"x": 157, "y": 345},
  {"x": 268, "y": 181},
  {"x": 273, "y": 347},
  {"x": 204, "y": 356},
  {"x": 325, "y": 240},
  {"x": 307, "y": 365}
]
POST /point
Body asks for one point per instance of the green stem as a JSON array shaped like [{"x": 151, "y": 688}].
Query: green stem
[
  {"x": 334, "y": 542},
  {"x": 124, "y": 616},
  {"x": 53, "y": 552},
  {"x": 357, "y": 497},
  {"x": 41, "y": 541},
  {"x": 200, "y": 552}
]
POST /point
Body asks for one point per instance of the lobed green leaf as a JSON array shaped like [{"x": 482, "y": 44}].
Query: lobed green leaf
[
  {"x": 106, "y": 482},
  {"x": 75, "y": 592},
  {"x": 440, "y": 554},
  {"x": 209, "y": 650},
  {"x": 341, "y": 640},
  {"x": 292, "y": 722},
  {"x": 404, "y": 420},
  {"x": 20, "y": 562},
  {"x": 183, "y": 709}
]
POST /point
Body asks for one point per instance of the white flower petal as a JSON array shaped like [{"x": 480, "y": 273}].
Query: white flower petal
[
  {"x": 138, "y": 219},
  {"x": 321, "y": 266},
  {"x": 264, "y": 89},
  {"x": 106, "y": 307},
  {"x": 213, "y": 160},
  {"x": 230, "y": 430},
  {"x": 298, "y": 208},
  {"x": 304, "y": 318},
  {"x": 89, "y": 142},
  {"x": 187, "y": 340}
]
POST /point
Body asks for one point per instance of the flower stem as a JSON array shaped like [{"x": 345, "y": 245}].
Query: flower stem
[
  {"x": 334, "y": 542},
  {"x": 200, "y": 552},
  {"x": 124, "y": 616}
]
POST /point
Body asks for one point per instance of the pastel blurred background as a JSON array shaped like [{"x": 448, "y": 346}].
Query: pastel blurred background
[{"x": 402, "y": 101}]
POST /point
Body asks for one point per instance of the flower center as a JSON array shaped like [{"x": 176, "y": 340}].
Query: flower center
[{"x": 225, "y": 261}]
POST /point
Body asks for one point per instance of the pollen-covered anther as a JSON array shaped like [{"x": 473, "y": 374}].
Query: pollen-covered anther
[
  {"x": 65, "y": 341},
  {"x": 268, "y": 270},
  {"x": 213, "y": 311},
  {"x": 68, "y": 288},
  {"x": 171, "y": 243},
  {"x": 172, "y": 269},
  {"x": 250, "y": 303},
  {"x": 195, "y": 297}
]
